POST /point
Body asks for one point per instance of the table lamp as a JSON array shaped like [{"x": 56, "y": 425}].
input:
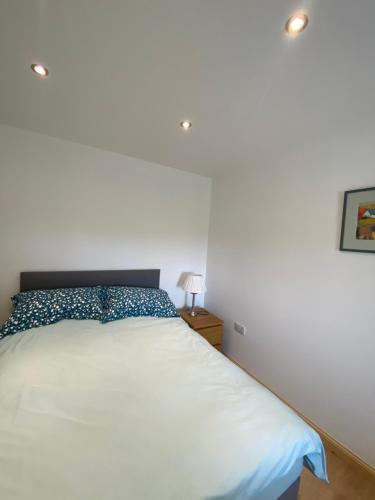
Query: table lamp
[{"x": 194, "y": 284}]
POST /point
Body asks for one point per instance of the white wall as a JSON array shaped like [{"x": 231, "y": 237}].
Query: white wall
[
  {"x": 274, "y": 265},
  {"x": 68, "y": 206}
]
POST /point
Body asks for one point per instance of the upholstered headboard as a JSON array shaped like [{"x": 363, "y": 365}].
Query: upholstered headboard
[{"x": 39, "y": 280}]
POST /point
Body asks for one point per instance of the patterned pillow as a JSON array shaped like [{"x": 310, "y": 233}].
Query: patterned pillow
[
  {"x": 125, "y": 302},
  {"x": 44, "y": 307}
]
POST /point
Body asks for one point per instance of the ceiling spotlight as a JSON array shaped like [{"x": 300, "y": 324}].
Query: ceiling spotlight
[
  {"x": 186, "y": 125},
  {"x": 40, "y": 70},
  {"x": 296, "y": 23}
]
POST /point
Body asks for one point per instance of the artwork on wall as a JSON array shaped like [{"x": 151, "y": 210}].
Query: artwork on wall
[{"x": 358, "y": 221}]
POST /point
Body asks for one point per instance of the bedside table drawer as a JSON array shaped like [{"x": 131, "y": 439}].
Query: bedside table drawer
[{"x": 214, "y": 334}]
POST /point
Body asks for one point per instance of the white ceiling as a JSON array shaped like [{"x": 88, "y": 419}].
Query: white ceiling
[{"x": 124, "y": 73}]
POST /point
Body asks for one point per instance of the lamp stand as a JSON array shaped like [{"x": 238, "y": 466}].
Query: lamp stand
[{"x": 192, "y": 310}]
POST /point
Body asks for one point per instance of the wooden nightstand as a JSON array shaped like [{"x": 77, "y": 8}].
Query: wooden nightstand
[{"x": 207, "y": 325}]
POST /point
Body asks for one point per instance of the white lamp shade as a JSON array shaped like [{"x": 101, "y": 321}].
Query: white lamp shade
[{"x": 195, "y": 284}]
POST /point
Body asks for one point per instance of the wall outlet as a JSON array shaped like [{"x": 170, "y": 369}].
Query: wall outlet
[{"x": 240, "y": 328}]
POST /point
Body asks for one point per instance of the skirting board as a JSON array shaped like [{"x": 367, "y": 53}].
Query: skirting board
[{"x": 330, "y": 443}]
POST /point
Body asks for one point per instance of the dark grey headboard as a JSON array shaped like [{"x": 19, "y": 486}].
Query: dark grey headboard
[{"x": 147, "y": 278}]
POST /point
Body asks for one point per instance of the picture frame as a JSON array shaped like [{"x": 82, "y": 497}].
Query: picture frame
[{"x": 358, "y": 221}]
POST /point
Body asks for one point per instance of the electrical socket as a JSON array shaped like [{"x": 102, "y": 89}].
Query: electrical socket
[{"x": 241, "y": 329}]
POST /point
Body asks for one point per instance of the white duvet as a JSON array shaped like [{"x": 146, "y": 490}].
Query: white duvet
[{"x": 140, "y": 409}]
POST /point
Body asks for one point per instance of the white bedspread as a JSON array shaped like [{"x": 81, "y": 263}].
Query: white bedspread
[{"x": 139, "y": 409}]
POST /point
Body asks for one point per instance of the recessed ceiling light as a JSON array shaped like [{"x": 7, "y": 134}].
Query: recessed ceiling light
[
  {"x": 296, "y": 23},
  {"x": 185, "y": 124},
  {"x": 40, "y": 70}
]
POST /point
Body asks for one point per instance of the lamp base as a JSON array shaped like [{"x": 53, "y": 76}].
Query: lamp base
[{"x": 192, "y": 310}]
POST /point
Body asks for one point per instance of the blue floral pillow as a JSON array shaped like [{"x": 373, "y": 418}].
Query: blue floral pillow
[
  {"x": 44, "y": 307},
  {"x": 125, "y": 302}
]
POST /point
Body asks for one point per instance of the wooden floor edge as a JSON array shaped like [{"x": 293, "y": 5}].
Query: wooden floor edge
[{"x": 330, "y": 442}]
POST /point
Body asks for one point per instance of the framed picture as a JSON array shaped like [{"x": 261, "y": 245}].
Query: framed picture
[{"x": 358, "y": 221}]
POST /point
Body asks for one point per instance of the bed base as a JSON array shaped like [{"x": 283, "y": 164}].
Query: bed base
[{"x": 292, "y": 492}]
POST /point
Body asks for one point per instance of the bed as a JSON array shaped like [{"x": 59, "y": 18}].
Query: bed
[{"x": 141, "y": 408}]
